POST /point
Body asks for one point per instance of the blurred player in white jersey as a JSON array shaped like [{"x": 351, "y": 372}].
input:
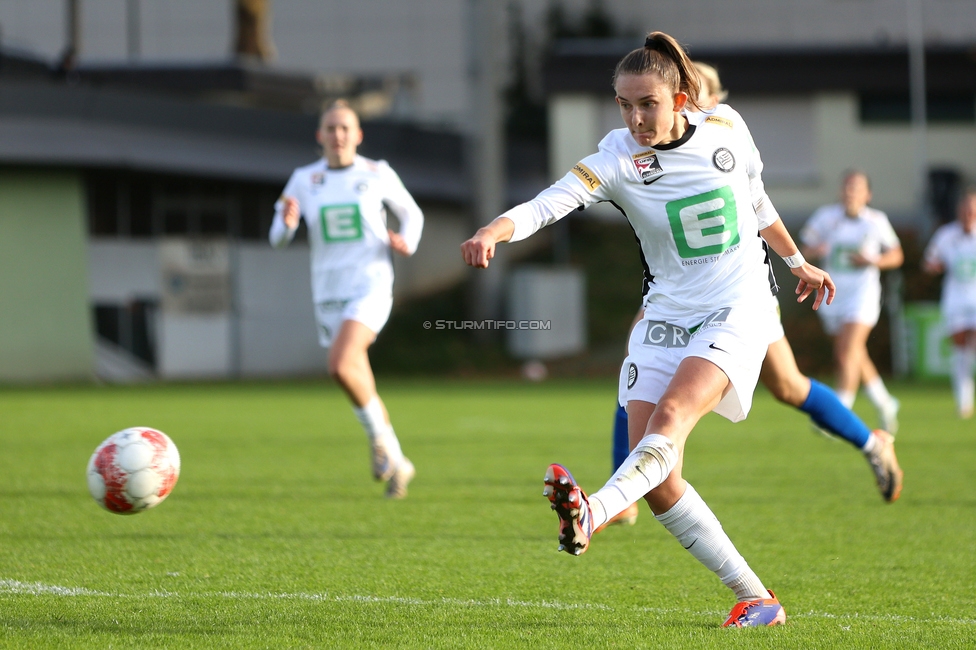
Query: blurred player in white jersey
[
  {"x": 952, "y": 251},
  {"x": 690, "y": 184},
  {"x": 781, "y": 375},
  {"x": 855, "y": 242},
  {"x": 344, "y": 199}
]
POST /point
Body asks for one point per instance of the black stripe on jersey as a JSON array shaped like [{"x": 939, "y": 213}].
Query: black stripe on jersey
[
  {"x": 674, "y": 144},
  {"x": 773, "y": 286},
  {"x": 648, "y": 278}
]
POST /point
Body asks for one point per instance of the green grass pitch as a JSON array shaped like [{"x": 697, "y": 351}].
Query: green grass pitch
[{"x": 276, "y": 536}]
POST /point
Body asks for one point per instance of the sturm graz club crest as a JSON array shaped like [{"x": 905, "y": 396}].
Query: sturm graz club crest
[
  {"x": 631, "y": 375},
  {"x": 723, "y": 160}
]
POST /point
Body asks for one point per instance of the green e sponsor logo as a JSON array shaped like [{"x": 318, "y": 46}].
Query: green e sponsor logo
[
  {"x": 341, "y": 223},
  {"x": 965, "y": 269},
  {"x": 840, "y": 257},
  {"x": 705, "y": 224}
]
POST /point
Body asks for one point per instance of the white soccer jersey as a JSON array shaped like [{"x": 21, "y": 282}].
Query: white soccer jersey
[
  {"x": 696, "y": 204},
  {"x": 869, "y": 233},
  {"x": 955, "y": 250},
  {"x": 345, "y": 211}
]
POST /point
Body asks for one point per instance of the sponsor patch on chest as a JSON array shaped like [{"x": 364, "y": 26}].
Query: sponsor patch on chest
[{"x": 721, "y": 121}]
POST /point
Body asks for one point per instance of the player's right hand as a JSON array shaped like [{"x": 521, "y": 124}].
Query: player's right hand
[
  {"x": 478, "y": 250},
  {"x": 291, "y": 213}
]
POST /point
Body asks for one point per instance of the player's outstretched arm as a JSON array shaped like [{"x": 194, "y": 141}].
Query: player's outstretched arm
[{"x": 479, "y": 250}]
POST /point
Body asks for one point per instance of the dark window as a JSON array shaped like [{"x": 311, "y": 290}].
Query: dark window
[
  {"x": 102, "y": 208},
  {"x": 880, "y": 109},
  {"x": 130, "y": 326},
  {"x": 136, "y": 204},
  {"x": 140, "y": 207},
  {"x": 176, "y": 222}
]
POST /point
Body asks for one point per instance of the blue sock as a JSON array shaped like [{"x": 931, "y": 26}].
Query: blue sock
[
  {"x": 621, "y": 441},
  {"x": 827, "y": 411}
]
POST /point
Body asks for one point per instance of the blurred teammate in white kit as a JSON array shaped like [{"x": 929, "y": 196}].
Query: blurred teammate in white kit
[{"x": 344, "y": 199}]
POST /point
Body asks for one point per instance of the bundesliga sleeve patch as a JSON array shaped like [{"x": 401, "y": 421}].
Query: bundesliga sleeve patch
[
  {"x": 721, "y": 121},
  {"x": 586, "y": 175}
]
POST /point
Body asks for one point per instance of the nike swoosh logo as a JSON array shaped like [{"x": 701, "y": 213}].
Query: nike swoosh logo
[
  {"x": 714, "y": 347},
  {"x": 654, "y": 180},
  {"x": 690, "y": 545}
]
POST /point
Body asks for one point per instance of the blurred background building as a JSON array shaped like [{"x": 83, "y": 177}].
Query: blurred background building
[{"x": 143, "y": 143}]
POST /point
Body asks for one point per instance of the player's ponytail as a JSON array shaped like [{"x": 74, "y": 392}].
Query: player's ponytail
[{"x": 665, "y": 56}]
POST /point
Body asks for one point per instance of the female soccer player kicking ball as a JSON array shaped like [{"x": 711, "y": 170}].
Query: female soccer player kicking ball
[
  {"x": 343, "y": 199},
  {"x": 690, "y": 185},
  {"x": 784, "y": 380}
]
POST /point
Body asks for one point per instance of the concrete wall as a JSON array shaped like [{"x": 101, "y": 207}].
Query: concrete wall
[
  {"x": 45, "y": 322},
  {"x": 272, "y": 330}
]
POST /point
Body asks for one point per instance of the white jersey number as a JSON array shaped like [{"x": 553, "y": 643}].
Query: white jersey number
[
  {"x": 706, "y": 224},
  {"x": 341, "y": 223}
]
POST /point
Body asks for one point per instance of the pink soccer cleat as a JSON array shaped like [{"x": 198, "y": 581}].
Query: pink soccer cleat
[
  {"x": 569, "y": 502},
  {"x": 760, "y": 612}
]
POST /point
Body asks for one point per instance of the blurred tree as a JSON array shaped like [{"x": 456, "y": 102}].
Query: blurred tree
[{"x": 253, "y": 30}]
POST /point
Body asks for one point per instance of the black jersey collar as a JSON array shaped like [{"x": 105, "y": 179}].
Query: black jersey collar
[{"x": 674, "y": 144}]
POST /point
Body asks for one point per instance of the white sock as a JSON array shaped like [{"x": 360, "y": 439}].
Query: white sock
[
  {"x": 963, "y": 360},
  {"x": 646, "y": 468},
  {"x": 877, "y": 393},
  {"x": 378, "y": 430},
  {"x": 697, "y": 529},
  {"x": 870, "y": 444},
  {"x": 846, "y": 397}
]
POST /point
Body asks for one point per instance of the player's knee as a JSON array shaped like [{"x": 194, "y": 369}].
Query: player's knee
[
  {"x": 667, "y": 414},
  {"x": 789, "y": 390},
  {"x": 340, "y": 369}
]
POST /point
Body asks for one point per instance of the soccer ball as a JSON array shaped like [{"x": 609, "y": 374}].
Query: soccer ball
[{"x": 133, "y": 470}]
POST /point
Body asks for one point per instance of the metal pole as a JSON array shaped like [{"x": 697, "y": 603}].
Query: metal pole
[
  {"x": 916, "y": 81},
  {"x": 915, "y": 30},
  {"x": 486, "y": 143},
  {"x": 72, "y": 34},
  {"x": 133, "y": 33}
]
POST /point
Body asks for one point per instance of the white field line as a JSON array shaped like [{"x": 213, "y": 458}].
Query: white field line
[{"x": 39, "y": 589}]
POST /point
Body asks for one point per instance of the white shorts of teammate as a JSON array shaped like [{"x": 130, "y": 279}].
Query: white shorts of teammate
[
  {"x": 959, "y": 318},
  {"x": 733, "y": 338},
  {"x": 852, "y": 304},
  {"x": 363, "y": 297}
]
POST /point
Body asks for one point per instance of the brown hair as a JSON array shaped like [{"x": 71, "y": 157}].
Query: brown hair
[
  {"x": 850, "y": 172},
  {"x": 665, "y": 56},
  {"x": 712, "y": 84},
  {"x": 339, "y": 104}
]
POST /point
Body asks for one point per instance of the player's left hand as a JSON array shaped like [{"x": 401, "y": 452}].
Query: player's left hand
[
  {"x": 813, "y": 279},
  {"x": 398, "y": 243},
  {"x": 861, "y": 260}
]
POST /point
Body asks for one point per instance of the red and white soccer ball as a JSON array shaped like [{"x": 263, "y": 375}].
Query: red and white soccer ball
[{"x": 133, "y": 470}]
